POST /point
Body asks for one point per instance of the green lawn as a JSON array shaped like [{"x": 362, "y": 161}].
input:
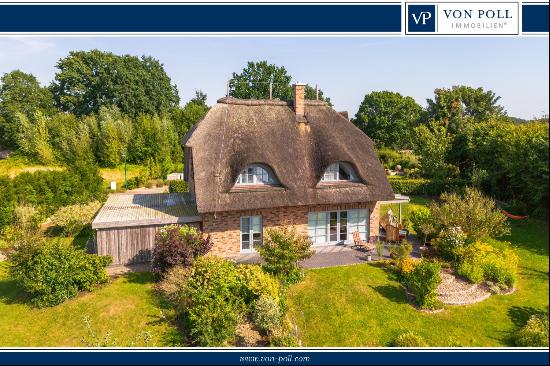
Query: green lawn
[
  {"x": 360, "y": 305},
  {"x": 363, "y": 305},
  {"x": 126, "y": 307}
]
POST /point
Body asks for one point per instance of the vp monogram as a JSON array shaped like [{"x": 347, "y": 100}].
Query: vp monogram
[{"x": 424, "y": 16}]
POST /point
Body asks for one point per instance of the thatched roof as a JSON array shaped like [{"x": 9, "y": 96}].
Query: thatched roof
[{"x": 236, "y": 133}]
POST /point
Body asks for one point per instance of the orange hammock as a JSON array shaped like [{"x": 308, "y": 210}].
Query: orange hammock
[{"x": 513, "y": 217}]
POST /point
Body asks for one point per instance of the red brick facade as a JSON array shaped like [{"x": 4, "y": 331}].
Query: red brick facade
[{"x": 224, "y": 227}]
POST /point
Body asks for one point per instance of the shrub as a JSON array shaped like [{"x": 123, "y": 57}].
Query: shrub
[
  {"x": 421, "y": 223},
  {"x": 470, "y": 270},
  {"x": 72, "y": 219},
  {"x": 281, "y": 250},
  {"x": 283, "y": 336},
  {"x": 409, "y": 339},
  {"x": 178, "y": 186},
  {"x": 379, "y": 249},
  {"x": 256, "y": 283},
  {"x": 474, "y": 213},
  {"x": 53, "y": 272},
  {"x": 266, "y": 313},
  {"x": 480, "y": 261},
  {"x": 213, "y": 307},
  {"x": 172, "y": 287},
  {"x": 426, "y": 187},
  {"x": 450, "y": 243},
  {"x": 406, "y": 265},
  {"x": 423, "y": 281},
  {"x": 501, "y": 268},
  {"x": 534, "y": 333},
  {"x": 401, "y": 250},
  {"x": 177, "y": 245}
]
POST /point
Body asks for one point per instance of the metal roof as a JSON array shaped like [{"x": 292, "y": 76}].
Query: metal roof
[{"x": 127, "y": 210}]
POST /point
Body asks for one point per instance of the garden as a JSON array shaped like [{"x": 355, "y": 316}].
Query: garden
[{"x": 191, "y": 299}]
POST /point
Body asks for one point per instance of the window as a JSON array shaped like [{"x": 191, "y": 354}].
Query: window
[
  {"x": 339, "y": 172},
  {"x": 332, "y": 227},
  {"x": 256, "y": 174},
  {"x": 251, "y": 232},
  {"x": 358, "y": 222},
  {"x": 317, "y": 227}
]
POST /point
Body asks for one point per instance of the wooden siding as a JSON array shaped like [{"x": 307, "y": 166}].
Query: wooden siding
[{"x": 128, "y": 245}]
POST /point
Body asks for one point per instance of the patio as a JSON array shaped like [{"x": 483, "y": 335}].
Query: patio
[{"x": 333, "y": 255}]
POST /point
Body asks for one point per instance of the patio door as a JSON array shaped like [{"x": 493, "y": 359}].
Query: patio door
[{"x": 330, "y": 227}]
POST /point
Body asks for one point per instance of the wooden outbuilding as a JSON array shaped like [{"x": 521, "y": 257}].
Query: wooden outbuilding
[{"x": 126, "y": 225}]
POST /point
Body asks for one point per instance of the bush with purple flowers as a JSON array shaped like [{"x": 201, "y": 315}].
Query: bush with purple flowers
[{"x": 177, "y": 245}]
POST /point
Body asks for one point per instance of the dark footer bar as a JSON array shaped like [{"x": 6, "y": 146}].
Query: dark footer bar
[{"x": 279, "y": 357}]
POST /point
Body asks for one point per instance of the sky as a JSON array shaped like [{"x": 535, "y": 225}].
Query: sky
[{"x": 345, "y": 68}]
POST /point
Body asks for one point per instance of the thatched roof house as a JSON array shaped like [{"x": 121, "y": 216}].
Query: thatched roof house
[
  {"x": 255, "y": 164},
  {"x": 294, "y": 143}
]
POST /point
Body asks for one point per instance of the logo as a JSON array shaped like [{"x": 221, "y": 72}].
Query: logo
[
  {"x": 421, "y": 18},
  {"x": 463, "y": 18},
  {"x": 424, "y": 16}
]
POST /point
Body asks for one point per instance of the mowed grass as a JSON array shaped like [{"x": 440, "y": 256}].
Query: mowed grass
[
  {"x": 362, "y": 305},
  {"x": 126, "y": 308},
  {"x": 116, "y": 174}
]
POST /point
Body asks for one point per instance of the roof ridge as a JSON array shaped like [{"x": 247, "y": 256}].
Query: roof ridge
[{"x": 271, "y": 102}]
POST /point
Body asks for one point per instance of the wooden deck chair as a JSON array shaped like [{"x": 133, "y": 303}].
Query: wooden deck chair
[{"x": 360, "y": 243}]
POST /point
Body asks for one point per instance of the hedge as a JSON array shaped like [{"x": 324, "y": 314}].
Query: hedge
[{"x": 426, "y": 187}]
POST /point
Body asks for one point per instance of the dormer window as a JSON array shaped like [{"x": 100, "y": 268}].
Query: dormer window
[
  {"x": 339, "y": 171},
  {"x": 257, "y": 174}
]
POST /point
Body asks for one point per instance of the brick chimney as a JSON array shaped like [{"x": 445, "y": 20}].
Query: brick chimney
[{"x": 299, "y": 91}]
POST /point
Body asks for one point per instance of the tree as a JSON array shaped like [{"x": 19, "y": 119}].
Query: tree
[
  {"x": 89, "y": 80},
  {"x": 475, "y": 214},
  {"x": 193, "y": 111},
  {"x": 253, "y": 83},
  {"x": 20, "y": 92},
  {"x": 115, "y": 132},
  {"x": 432, "y": 143},
  {"x": 452, "y": 106},
  {"x": 33, "y": 138},
  {"x": 389, "y": 118}
]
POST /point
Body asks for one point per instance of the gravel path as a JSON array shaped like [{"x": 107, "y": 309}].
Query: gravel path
[{"x": 454, "y": 290}]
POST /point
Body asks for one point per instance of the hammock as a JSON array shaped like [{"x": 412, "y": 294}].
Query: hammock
[{"x": 513, "y": 217}]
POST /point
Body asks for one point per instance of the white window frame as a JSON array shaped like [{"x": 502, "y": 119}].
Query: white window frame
[
  {"x": 350, "y": 226},
  {"x": 250, "y": 233},
  {"x": 254, "y": 171},
  {"x": 330, "y": 171}
]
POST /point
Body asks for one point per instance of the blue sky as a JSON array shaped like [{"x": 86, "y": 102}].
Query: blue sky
[{"x": 345, "y": 68}]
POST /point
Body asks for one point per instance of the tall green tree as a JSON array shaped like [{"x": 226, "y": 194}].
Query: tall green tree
[
  {"x": 453, "y": 106},
  {"x": 115, "y": 133},
  {"x": 33, "y": 137},
  {"x": 253, "y": 83},
  {"x": 389, "y": 118},
  {"x": 89, "y": 80},
  {"x": 20, "y": 92},
  {"x": 432, "y": 143},
  {"x": 185, "y": 118}
]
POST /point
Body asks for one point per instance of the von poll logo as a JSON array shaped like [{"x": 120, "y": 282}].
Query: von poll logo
[
  {"x": 463, "y": 18},
  {"x": 421, "y": 18}
]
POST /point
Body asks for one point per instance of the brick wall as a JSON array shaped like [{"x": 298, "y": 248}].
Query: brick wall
[{"x": 224, "y": 227}]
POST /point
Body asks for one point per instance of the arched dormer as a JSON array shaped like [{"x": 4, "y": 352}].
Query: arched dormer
[
  {"x": 340, "y": 172},
  {"x": 257, "y": 174}
]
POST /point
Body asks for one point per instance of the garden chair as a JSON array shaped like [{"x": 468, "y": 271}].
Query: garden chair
[{"x": 361, "y": 244}]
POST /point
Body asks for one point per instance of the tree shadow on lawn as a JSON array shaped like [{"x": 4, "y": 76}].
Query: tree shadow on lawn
[
  {"x": 142, "y": 278},
  {"x": 394, "y": 293},
  {"x": 521, "y": 314},
  {"x": 533, "y": 274},
  {"x": 10, "y": 293}
]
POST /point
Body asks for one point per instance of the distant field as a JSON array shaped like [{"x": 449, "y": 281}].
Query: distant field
[{"x": 15, "y": 165}]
